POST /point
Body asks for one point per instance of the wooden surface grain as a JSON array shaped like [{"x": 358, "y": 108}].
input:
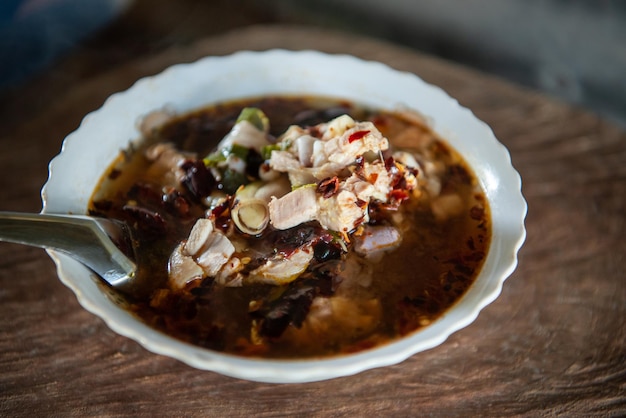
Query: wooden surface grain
[{"x": 553, "y": 343}]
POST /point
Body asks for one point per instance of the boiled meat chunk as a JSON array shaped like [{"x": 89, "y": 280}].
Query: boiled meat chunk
[
  {"x": 375, "y": 240},
  {"x": 203, "y": 254}
]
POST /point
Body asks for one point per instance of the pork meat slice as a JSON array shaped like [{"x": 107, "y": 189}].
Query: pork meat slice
[
  {"x": 280, "y": 270},
  {"x": 215, "y": 253},
  {"x": 198, "y": 237},
  {"x": 296, "y": 207},
  {"x": 361, "y": 139},
  {"x": 375, "y": 240},
  {"x": 230, "y": 274},
  {"x": 182, "y": 269},
  {"x": 341, "y": 212},
  {"x": 165, "y": 167},
  {"x": 308, "y": 159},
  {"x": 208, "y": 247}
]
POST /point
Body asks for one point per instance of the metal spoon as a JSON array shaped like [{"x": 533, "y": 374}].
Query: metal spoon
[{"x": 103, "y": 245}]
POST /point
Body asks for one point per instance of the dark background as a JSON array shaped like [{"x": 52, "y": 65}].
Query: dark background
[{"x": 571, "y": 50}]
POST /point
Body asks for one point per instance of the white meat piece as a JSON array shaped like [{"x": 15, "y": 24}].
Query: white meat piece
[
  {"x": 429, "y": 176},
  {"x": 375, "y": 240},
  {"x": 341, "y": 151},
  {"x": 277, "y": 188},
  {"x": 333, "y": 317},
  {"x": 267, "y": 173},
  {"x": 446, "y": 206},
  {"x": 284, "y": 161},
  {"x": 245, "y": 134},
  {"x": 361, "y": 188},
  {"x": 230, "y": 275},
  {"x": 291, "y": 134},
  {"x": 319, "y": 157},
  {"x": 294, "y": 208},
  {"x": 355, "y": 274},
  {"x": 199, "y": 235},
  {"x": 308, "y": 159},
  {"x": 330, "y": 158},
  {"x": 182, "y": 269},
  {"x": 336, "y": 127},
  {"x": 166, "y": 162},
  {"x": 304, "y": 146},
  {"x": 215, "y": 253},
  {"x": 209, "y": 247},
  {"x": 280, "y": 270},
  {"x": 341, "y": 212},
  {"x": 376, "y": 174}
]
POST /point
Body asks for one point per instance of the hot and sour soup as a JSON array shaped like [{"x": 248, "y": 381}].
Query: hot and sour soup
[{"x": 291, "y": 227}]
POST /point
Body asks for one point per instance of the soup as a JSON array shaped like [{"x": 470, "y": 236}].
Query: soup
[{"x": 295, "y": 227}]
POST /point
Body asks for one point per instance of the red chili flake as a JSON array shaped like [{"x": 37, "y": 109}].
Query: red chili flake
[
  {"x": 361, "y": 203},
  {"x": 398, "y": 181},
  {"x": 355, "y": 136},
  {"x": 389, "y": 207},
  {"x": 399, "y": 195},
  {"x": 328, "y": 187},
  {"x": 373, "y": 177},
  {"x": 315, "y": 132},
  {"x": 390, "y": 164},
  {"x": 220, "y": 209},
  {"x": 221, "y": 215}
]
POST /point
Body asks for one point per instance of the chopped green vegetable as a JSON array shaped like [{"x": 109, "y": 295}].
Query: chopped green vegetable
[
  {"x": 231, "y": 180},
  {"x": 213, "y": 160},
  {"x": 220, "y": 156},
  {"x": 256, "y": 117},
  {"x": 239, "y": 151},
  {"x": 301, "y": 186},
  {"x": 266, "y": 151}
]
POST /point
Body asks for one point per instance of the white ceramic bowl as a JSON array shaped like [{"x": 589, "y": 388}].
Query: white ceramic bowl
[{"x": 87, "y": 152}]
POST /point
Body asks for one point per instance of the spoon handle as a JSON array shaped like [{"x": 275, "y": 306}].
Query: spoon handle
[{"x": 92, "y": 241}]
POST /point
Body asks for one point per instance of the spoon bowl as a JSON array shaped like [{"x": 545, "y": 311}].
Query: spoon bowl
[{"x": 103, "y": 245}]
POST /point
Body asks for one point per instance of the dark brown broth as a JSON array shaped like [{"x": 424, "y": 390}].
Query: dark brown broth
[{"x": 415, "y": 284}]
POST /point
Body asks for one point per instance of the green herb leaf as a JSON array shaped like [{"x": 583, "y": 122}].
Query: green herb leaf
[
  {"x": 221, "y": 156},
  {"x": 256, "y": 117},
  {"x": 266, "y": 151},
  {"x": 231, "y": 180}
]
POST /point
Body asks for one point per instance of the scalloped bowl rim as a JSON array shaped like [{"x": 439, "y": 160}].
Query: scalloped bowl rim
[{"x": 188, "y": 86}]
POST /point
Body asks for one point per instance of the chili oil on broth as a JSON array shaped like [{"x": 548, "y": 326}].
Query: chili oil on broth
[{"x": 439, "y": 257}]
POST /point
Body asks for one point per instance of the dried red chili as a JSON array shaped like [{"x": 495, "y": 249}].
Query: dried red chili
[
  {"x": 355, "y": 136},
  {"x": 328, "y": 187},
  {"x": 399, "y": 195}
]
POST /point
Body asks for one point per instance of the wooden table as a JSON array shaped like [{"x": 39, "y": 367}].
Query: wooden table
[{"x": 554, "y": 343}]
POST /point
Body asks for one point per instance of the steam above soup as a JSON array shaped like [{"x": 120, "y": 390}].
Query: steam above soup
[{"x": 292, "y": 227}]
